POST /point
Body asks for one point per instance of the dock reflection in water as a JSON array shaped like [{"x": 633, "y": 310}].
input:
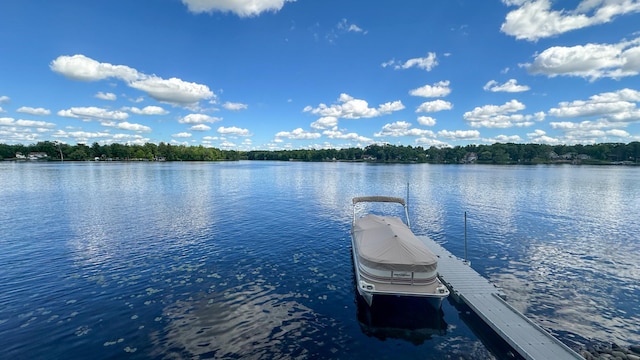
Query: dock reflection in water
[{"x": 410, "y": 319}]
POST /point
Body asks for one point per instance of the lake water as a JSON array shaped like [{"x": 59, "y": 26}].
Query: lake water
[{"x": 252, "y": 259}]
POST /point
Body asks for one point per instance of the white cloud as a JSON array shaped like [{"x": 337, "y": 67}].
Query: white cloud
[
  {"x": 227, "y": 144},
  {"x": 34, "y": 111},
  {"x": 81, "y": 136},
  {"x": 426, "y": 120},
  {"x": 438, "y": 89},
  {"x": 106, "y": 96},
  {"x": 459, "y": 134},
  {"x": 434, "y": 106},
  {"x": 80, "y": 67},
  {"x": 4, "y": 99},
  {"x": 126, "y": 126},
  {"x": 618, "y": 106},
  {"x": 401, "y": 128},
  {"x": 130, "y": 139},
  {"x": 426, "y": 63},
  {"x": 428, "y": 142},
  {"x": 592, "y": 61},
  {"x": 350, "y": 108},
  {"x": 233, "y": 131},
  {"x": 242, "y": 8},
  {"x": 93, "y": 112},
  {"x": 298, "y": 134},
  {"x": 10, "y": 134},
  {"x": 200, "y": 127},
  {"x": 501, "y": 116},
  {"x": 182, "y": 135},
  {"x": 198, "y": 119},
  {"x": 6, "y": 121},
  {"x": 337, "y": 134},
  {"x": 173, "y": 91},
  {"x": 344, "y": 25},
  {"x": 510, "y": 86},
  {"x": 584, "y": 132},
  {"x": 147, "y": 110},
  {"x": 235, "y": 106},
  {"x": 505, "y": 139},
  {"x": 534, "y": 19},
  {"x": 325, "y": 122}
]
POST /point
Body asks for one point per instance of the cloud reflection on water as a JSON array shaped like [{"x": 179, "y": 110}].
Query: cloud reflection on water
[{"x": 249, "y": 321}]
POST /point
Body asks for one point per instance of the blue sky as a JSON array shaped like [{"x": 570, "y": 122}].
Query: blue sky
[{"x": 277, "y": 74}]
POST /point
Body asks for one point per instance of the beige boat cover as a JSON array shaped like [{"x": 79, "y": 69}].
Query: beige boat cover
[{"x": 386, "y": 243}]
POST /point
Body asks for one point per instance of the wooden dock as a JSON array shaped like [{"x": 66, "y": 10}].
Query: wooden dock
[{"x": 488, "y": 302}]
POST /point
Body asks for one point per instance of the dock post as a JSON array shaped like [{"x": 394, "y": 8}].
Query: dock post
[{"x": 466, "y": 260}]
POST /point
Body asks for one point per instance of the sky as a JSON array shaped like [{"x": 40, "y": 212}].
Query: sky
[{"x": 316, "y": 74}]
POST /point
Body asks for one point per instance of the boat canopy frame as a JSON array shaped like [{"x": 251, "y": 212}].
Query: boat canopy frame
[{"x": 384, "y": 199}]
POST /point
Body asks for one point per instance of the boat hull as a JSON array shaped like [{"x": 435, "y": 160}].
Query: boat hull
[{"x": 433, "y": 293}]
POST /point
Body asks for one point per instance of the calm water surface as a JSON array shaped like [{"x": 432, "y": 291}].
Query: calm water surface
[{"x": 252, "y": 259}]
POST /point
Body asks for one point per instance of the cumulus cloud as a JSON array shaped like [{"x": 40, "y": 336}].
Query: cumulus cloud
[
  {"x": 233, "y": 131},
  {"x": 80, "y": 67},
  {"x": 298, "y": 134},
  {"x": 325, "y": 122},
  {"x": 338, "y": 134},
  {"x": 81, "y": 136},
  {"x": 459, "y": 134},
  {"x": 426, "y": 120},
  {"x": 182, "y": 135},
  {"x": 7, "y": 121},
  {"x": 501, "y": 116},
  {"x": 34, "y": 111},
  {"x": 592, "y": 61},
  {"x": 106, "y": 96},
  {"x": 428, "y": 142},
  {"x": 618, "y": 106},
  {"x": 126, "y": 126},
  {"x": 438, "y": 89},
  {"x": 200, "y": 127},
  {"x": 147, "y": 110},
  {"x": 434, "y": 106},
  {"x": 130, "y": 139},
  {"x": 510, "y": 86},
  {"x": 591, "y": 132},
  {"x": 242, "y": 8},
  {"x": 198, "y": 119},
  {"x": 4, "y": 99},
  {"x": 351, "y": 108},
  {"x": 426, "y": 63},
  {"x": 173, "y": 91},
  {"x": 235, "y": 106},
  {"x": 534, "y": 19},
  {"x": 401, "y": 128},
  {"x": 92, "y": 112}
]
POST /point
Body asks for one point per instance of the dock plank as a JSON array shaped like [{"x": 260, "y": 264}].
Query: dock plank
[{"x": 487, "y": 301}]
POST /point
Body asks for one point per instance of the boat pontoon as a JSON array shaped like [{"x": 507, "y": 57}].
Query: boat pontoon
[{"x": 389, "y": 259}]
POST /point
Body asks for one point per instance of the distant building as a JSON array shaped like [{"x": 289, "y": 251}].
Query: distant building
[
  {"x": 19, "y": 155},
  {"x": 37, "y": 155},
  {"x": 369, "y": 157},
  {"x": 470, "y": 158}
]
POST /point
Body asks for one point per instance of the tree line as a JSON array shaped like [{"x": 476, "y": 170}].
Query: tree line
[{"x": 498, "y": 153}]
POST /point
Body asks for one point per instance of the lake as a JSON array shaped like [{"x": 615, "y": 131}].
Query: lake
[{"x": 252, "y": 259}]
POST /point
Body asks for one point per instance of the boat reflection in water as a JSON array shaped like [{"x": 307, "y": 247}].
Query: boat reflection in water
[{"x": 407, "y": 318}]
